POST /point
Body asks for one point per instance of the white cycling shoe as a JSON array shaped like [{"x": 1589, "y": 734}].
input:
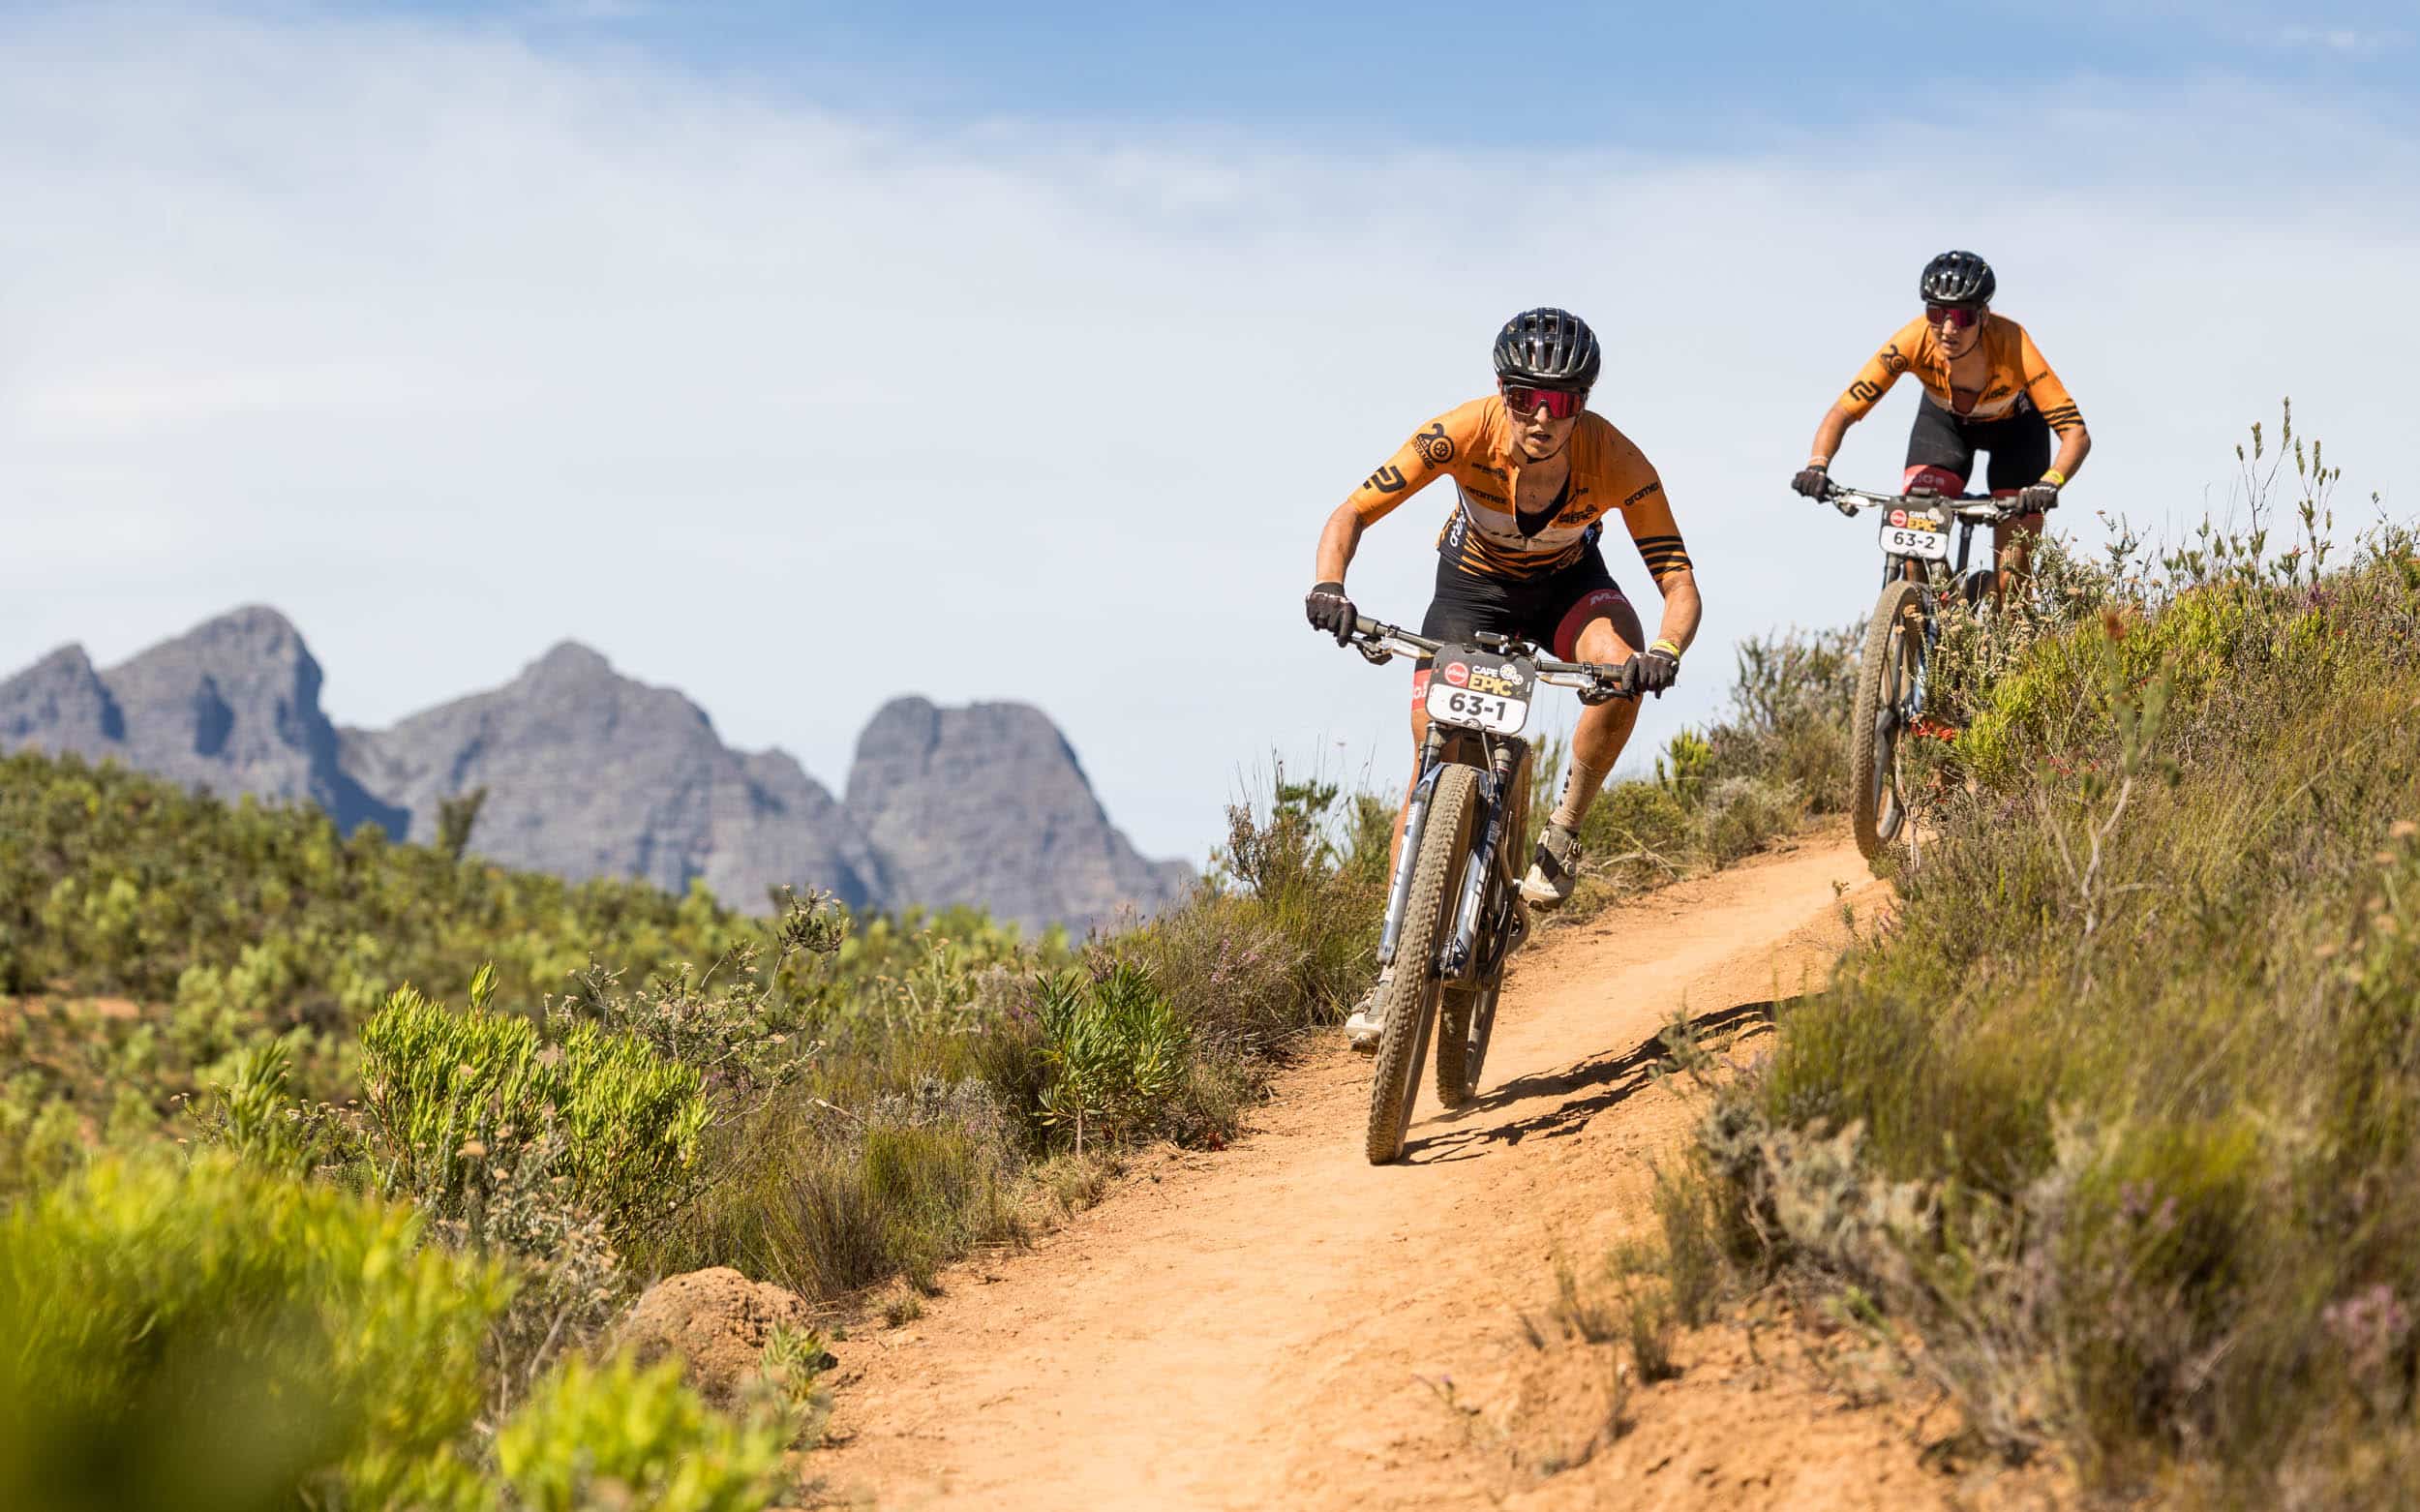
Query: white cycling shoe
[{"x": 1555, "y": 871}]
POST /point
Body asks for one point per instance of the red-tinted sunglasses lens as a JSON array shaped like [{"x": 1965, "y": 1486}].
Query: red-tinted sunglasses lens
[
  {"x": 1959, "y": 315},
  {"x": 1560, "y": 402}
]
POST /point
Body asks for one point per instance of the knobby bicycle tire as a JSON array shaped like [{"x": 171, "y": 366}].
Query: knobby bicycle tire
[
  {"x": 1891, "y": 639},
  {"x": 1410, "y": 1005}
]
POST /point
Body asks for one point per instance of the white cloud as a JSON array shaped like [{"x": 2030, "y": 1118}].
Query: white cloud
[{"x": 452, "y": 348}]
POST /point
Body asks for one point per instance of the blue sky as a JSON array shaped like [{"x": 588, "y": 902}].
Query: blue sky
[
  {"x": 1463, "y": 75},
  {"x": 709, "y": 333}
]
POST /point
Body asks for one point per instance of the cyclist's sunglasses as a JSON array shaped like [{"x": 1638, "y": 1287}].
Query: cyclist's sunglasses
[
  {"x": 1560, "y": 402},
  {"x": 1959, "y": 315}
]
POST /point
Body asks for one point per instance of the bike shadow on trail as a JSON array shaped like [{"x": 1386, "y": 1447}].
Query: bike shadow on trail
[{"x": 1608, "y": 1080}]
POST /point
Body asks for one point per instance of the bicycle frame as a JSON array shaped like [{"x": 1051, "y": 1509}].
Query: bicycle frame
[
  {"x": 1933, "y": 578},
  {"x": 1503, "y": 761}
]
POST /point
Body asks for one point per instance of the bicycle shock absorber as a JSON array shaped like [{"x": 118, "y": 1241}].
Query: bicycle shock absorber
[
  {"x": 1920, "y": 687},
  {"x": 1455, "y": 964},
  {"x": 1415, "y": 822}
]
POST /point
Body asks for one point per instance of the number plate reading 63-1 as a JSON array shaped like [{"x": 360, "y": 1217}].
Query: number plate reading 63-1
[
  {"x": 1915, "y": 532},
  {"x": 1480, "y": 690}
]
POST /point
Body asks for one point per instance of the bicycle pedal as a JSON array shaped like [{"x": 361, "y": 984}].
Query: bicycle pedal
[{"x": 1519, "y": 924}]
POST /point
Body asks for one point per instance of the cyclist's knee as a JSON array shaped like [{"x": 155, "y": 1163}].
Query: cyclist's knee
[
  {"x": 1611, "y": 635},
  {"x": 1602, "y": 606}
]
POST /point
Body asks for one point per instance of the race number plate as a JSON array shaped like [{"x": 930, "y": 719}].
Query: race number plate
[
  {"x": 1481, "y": 689},
  {"x": 1915, "y": 532}
]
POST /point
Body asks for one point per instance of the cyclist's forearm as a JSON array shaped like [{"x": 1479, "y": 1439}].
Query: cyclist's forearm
[
  {"x": 1681, "y": 610},
  {"x": 1336, "y": 544},
  {"x": 2075, "y": 445},
  {"x": 1829, "y": 435}
]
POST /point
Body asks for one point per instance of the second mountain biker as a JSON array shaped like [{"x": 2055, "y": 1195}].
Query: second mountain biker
[
  {"x": 1987, "y": 389},
  {"x": 1535, "y": 473}
]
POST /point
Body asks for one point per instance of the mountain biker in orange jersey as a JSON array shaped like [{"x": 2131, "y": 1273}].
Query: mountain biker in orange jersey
[
  {"x": 1535, "y": 474},
  {"x": 1986, "y": 389}
]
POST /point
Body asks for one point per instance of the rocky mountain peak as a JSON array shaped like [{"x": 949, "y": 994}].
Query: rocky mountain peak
[
  {"x": 571, "y": 662},
  {"x": 232, "y": 704},
  {"x": 989, "y": 805},
  {"x": 62, "y": 699},
  {"x": 592, "y": 773}
]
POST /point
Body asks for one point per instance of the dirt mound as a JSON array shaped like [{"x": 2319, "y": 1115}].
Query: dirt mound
[{"x": 716, "y": 1320}]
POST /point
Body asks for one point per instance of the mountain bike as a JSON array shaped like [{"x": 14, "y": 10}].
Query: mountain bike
[
  {"x": 1893, "y": 680},
  {"x": 1453, "y": 913}
]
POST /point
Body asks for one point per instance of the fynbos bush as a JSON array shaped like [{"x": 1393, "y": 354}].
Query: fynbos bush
[
  {"x": 446, "y": 1092},
  {"x": 624, "y": 1435},
  {"x": 1116, "y": 1054},
  {"x": 2118, "y": 1112},
  {"x": 155, "y": 1314}
]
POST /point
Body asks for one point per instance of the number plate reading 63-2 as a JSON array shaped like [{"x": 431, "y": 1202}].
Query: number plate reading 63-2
[
  {"x": 1480, "y": 690},
  {"x": 1915, "y": 532}
]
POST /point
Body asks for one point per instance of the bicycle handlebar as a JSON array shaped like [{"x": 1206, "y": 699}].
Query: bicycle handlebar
[
  {"x": 1965, "y": 507},
  {"x": 1377, "y": 641}
]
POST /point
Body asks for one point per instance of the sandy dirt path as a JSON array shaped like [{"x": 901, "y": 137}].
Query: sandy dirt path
[{"x": 1280, "y": 1324}]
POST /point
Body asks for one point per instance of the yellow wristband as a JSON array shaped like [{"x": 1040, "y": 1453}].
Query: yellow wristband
[
  {"x": 2055, "y": 478},
  {"x": 1666, "y": 646}
]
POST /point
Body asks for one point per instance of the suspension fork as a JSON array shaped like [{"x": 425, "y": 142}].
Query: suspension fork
[
  {"x": 1920, "y": 687},
  {"x": 1456, "y": 962},
  {"x": 1912, "y": 703},
  {"x": 1408, "y": 856}
]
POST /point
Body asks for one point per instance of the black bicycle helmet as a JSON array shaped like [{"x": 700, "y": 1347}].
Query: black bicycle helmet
[
  {"x": 1548, "y": 349},
  {"x": 1957, "y": 278}
]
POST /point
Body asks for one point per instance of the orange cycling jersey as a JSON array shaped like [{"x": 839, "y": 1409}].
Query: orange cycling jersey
[
  {"x": 2015, "y": 374},
  {"x": 1475, "y": 446}
]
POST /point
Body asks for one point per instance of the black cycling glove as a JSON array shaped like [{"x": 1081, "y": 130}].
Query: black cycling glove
[
  {"x": 2035, "y": 497},
  {"x": 1329, "y": 609},
  {"x": 1810, "y": 480},
  {"x": 1655, "y": 670}
]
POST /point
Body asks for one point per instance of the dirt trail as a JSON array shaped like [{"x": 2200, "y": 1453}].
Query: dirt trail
[{"x": 1280, "y": 1324}]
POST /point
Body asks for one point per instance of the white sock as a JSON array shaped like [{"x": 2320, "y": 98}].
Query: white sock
[{"x": 1578, "y": 792}]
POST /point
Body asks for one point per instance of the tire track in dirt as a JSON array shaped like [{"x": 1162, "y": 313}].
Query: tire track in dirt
[{"x": 1276, "y": 1324}]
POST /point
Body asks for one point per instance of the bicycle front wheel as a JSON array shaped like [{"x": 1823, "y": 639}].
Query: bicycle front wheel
[
  {"x": 1410, "y": 1002},
  {"x": 1895, "y": 641}
]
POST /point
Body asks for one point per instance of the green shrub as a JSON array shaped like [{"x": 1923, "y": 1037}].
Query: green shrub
[
  {"x": 838, "y": 1203},
  {"x": 1788, "y": 723},
  {"x": 1722, "y": 793},
  {"x": 218, "y": 1335},
  {"x": 1114, "y": 1050},
  {"x": 619, "y": 1435},
  {"x": 2118, "y": 1113},
  {"x": 41, "y": 1137},
  {"x": 446, "y": 1092},
  {"x": 1283, "y": 933}
]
